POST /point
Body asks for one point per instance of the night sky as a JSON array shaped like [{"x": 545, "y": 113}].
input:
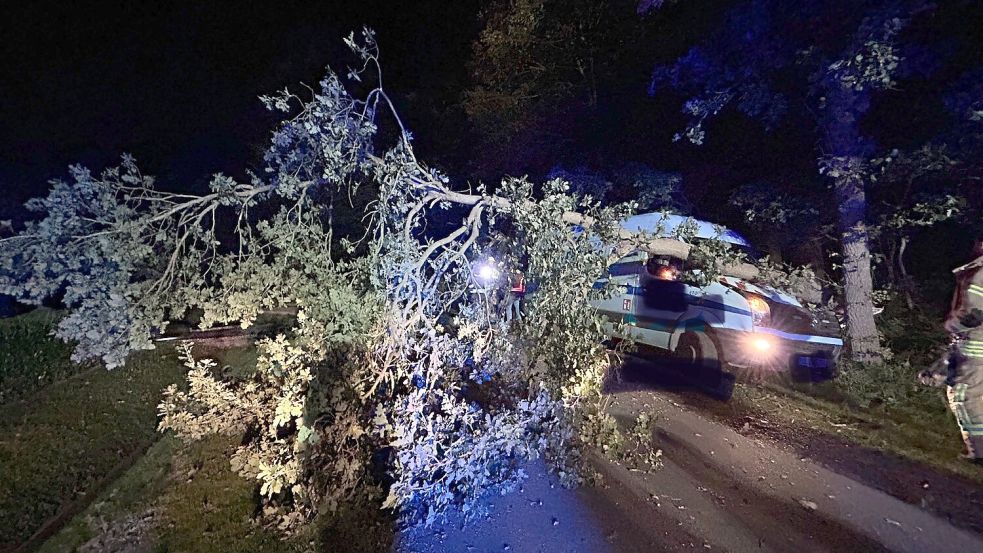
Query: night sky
[{"x": 177, "y": 87}]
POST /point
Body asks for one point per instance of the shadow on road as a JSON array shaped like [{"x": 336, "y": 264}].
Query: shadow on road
[{"x": 648, "y": 371}]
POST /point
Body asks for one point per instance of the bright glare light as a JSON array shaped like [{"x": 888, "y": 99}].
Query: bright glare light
[
  {"x": 667, "y": 273},
  {"x": 761, "y": 344},
  {"x": 487, "y": 273}
]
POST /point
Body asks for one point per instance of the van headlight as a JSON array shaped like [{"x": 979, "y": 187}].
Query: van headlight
[
  {"x": 760, "y": 310},
  {"x": 761, "y": 345}
]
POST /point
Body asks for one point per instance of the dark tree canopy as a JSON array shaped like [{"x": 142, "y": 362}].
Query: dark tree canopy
[{"x": 825, "y": 64}]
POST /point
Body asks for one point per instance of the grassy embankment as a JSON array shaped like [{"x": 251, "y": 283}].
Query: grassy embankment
[
  {"x": 29, "y": 358},
  {"x": 194, "y": 501},
  {"x": 878, "y": 406},
  {"x": 199, "y": 505},
  {"x": 919, "y": 429},
  {"x": 72, "y": 426},
  {"x": 68, "y": 430},
  {"x": 69, "y": 447}
]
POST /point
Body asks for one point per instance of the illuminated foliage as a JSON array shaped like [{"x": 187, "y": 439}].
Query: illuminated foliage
[{"x": 402, "y": 377}]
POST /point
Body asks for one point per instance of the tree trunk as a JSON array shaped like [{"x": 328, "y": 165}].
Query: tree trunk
[
  {"x": 847, "y": 150},
  {"x": 775, "y": 251},
  {"x": 906, "y": 285},
  {"x": 890, "y": 261},
  {"x": 858, "y": 284}
]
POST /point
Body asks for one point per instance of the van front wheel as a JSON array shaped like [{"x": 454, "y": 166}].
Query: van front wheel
[
  {"x": 697, "y": 349},
  {"x": 701, "y": 359}
]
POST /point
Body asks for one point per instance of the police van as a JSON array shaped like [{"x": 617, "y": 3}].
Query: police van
[{"x": 729, "y": 323}]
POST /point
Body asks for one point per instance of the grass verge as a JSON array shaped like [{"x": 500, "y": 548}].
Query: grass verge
[
  {"x": 208, "y": 508},
  {"x": 30, "y": 358},
  {"x": 199, "y": 505},
  {"x": 59, "y": 445},
  {"x": 921, "y": 429},
  {"x": 133, "y": 492}
]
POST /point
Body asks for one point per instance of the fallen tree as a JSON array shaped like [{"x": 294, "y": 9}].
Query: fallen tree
[{"x": 402, "y": 378}]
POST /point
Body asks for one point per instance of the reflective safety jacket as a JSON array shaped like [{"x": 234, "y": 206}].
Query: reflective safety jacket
[{"x": 966, "y": 315}]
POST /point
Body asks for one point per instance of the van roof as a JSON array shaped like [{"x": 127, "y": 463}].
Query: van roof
[{"x": 662, "y": 224}]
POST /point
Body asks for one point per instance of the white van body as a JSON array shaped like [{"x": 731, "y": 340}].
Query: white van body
[{"x": 731, "y": 322}]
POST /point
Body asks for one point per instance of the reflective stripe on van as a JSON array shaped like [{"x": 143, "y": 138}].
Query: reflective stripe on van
[
  {"x": 800, "y": 337},
  {"x": 654, "y": 323},
  {"x": 691, "y": 299}
]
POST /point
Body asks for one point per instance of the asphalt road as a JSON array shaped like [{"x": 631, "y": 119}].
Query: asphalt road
[
  {"x": 718, "y": 490},
  {"x": 738, "y": 493}
]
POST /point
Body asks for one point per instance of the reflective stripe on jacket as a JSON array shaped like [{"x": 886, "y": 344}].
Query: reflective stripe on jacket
[
  {"x": 966, "y": 315},
  {"x": 972, "y": 348}
]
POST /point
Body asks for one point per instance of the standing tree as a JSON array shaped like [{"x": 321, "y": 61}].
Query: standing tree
[
  {"x": 913, "y": 190},
  {"x": 776, "y": 60},
  {"x": 540, "y": 71}
]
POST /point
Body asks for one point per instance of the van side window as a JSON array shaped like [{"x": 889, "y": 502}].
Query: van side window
[
  {"x": 661, "y": 288},
  {"x": 663, "y": 268}
]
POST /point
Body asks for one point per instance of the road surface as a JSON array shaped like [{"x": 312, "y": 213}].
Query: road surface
[
  {"x": 739, "y": 493},
  {"x": 718, "y": 490}
]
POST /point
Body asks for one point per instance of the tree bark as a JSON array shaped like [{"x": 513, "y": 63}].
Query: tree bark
[
  {"x": 858, "y": 284},
  {"x": 846, "y": 152},
  {"x": 906, "y": 285}
]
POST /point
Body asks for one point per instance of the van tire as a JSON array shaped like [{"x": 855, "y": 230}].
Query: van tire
[
  {"x": 701, "y": 357},
  {"x": 697, "y": 349}
]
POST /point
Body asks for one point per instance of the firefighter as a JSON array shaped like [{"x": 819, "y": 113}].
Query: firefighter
[
  {"x": 965, "y": 367},
  {"x": 517, "y": 291}
]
